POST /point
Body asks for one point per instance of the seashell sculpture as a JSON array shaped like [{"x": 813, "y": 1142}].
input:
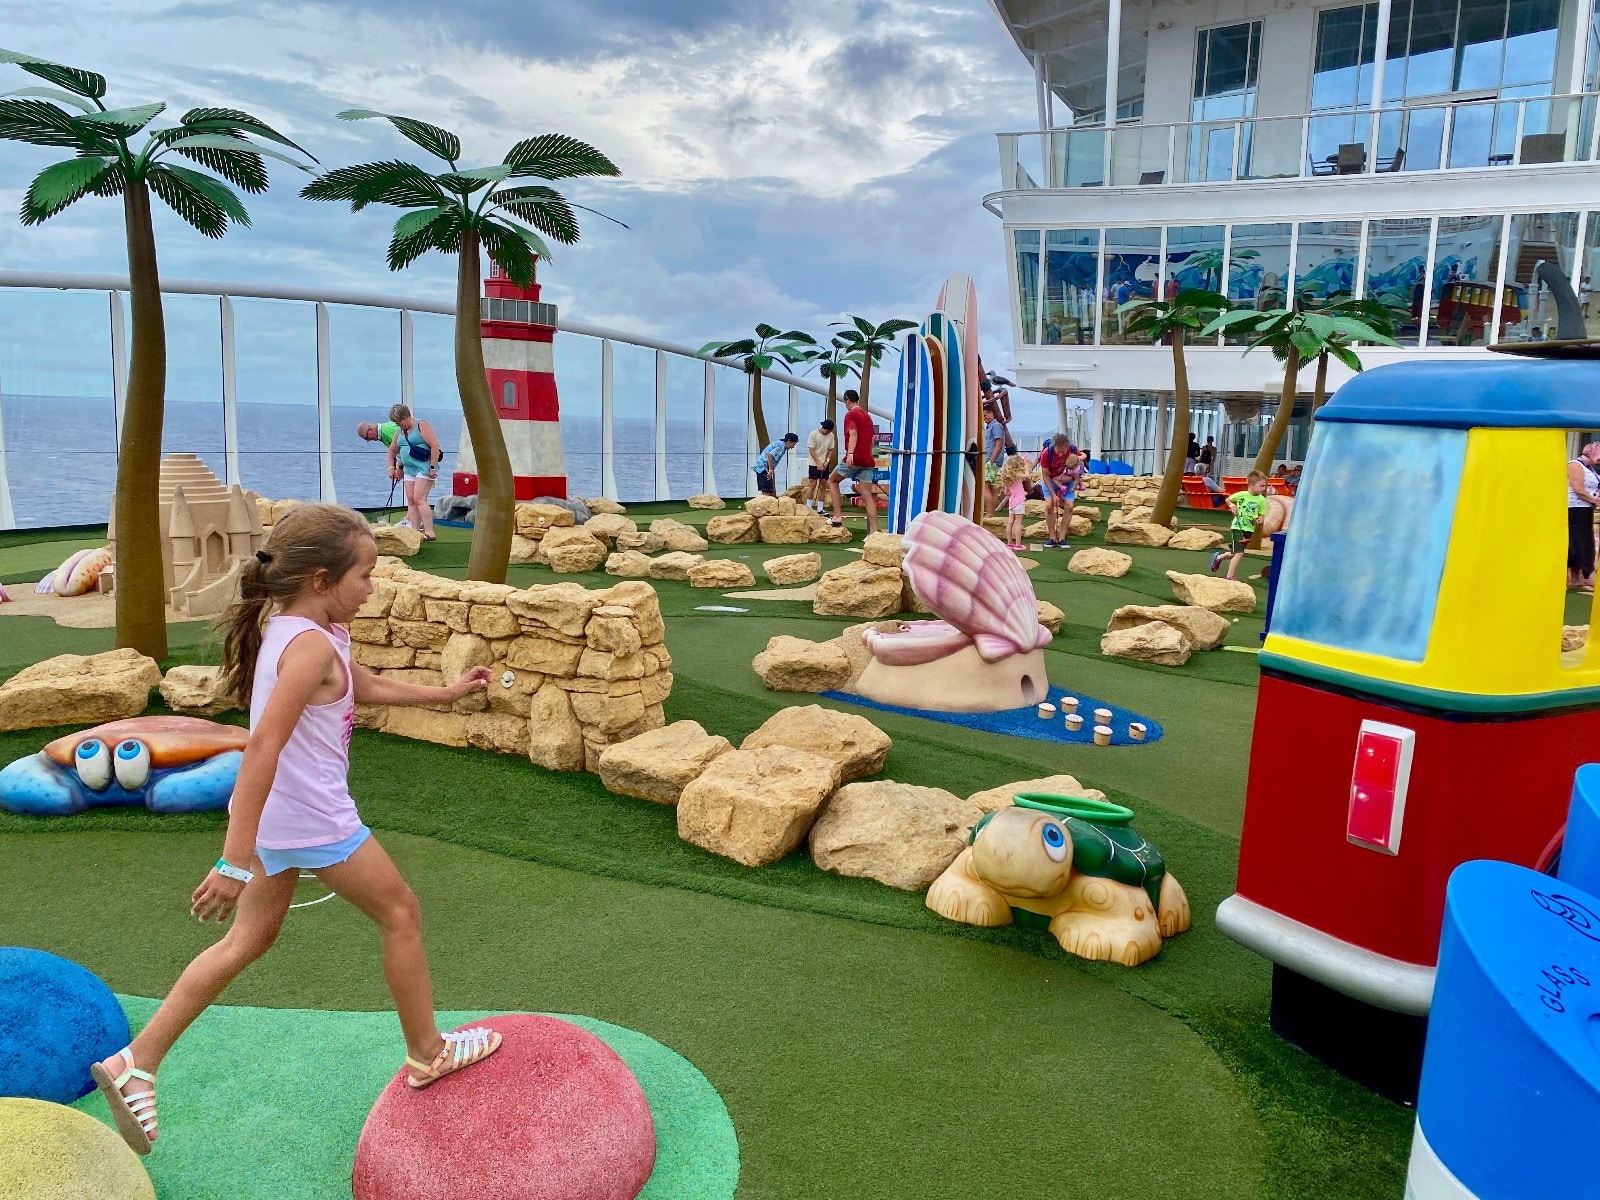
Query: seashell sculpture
[{"x": 984, "y": 654}]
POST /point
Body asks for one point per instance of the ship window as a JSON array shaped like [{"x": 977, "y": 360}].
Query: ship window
[
  {"x": 1027, "y": 251},
  {"x": 508, "y": 394},
  {"x": 1072, "y": 268},
  {"x": 1363, "y": 568},
  {"x": 1461, "y": 307}
]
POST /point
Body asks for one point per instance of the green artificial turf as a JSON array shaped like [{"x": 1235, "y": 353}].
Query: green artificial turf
[
  {"x": 854, "y": 1059},
  {"x": 305, "y": 1079},
  {"x": 1322, "y": 1136}
]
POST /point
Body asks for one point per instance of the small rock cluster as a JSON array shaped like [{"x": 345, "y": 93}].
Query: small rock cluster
[
  {"x": 775, "y": 521},
  {"x": 573, "y": 670},
  {"x": 78, "y": 689},
  {"x": 875, "y": 587},
  {"x": 1165, "y": 634},
  {"x": 1218, "y": 594},
  {"x": 1124, "y": 490},
  {"x": 707, "y": 500}
]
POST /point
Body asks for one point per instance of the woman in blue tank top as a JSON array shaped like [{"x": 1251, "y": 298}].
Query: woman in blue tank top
[{"x": 414, "y": 456}]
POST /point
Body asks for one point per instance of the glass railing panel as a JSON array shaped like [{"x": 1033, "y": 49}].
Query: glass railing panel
[
  {"x": 729, "y": 439},
  {"x": 577, "y": 361},
  {"x": 433, "y": 385},
  {"x": 1422, "y": 137},
  {"x": 1337, "y": 144},
  {"x": 1271, "y": 149},
  {"x": 685, "y": 425},
  {"x": 276, "y": 350},
  {"x": 1077, "y": 158},
  {"x": 364, "y": 378},
  {"x": 60, "y": 418},
  {"x": 193, "y": 418},
  {"x": 1139, "y": 155},
  {"x": 1472, "y": 136},
  {"x": 633, "y": 421}
]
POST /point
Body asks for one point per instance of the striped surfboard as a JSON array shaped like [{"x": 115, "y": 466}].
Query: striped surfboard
[
  {"x": 959, "y": 299},
  {"x": 907, "y": 407}
]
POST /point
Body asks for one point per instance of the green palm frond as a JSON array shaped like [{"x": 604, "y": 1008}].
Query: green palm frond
[
  {"x": 238, "y": 167},
  {"x": 74, "y": 79},
  {"x": 474, "y": 179},
  {"x": 184, "y": 138},
  {"x": 59, "y": 185},
  {"x": 402, "y": 184},
  {"x": 542, "y": 207},
  {"x": 124, "y": 121},
  {"x": 232, "y": 120},
  {"x": 202, "y": 201},
  {"x": 56, "y": 94},
  {"x": 440, "y": 143},
  {"x": 557, "y": 156},
  {"x": 508, "y": 246},
  {"x": 42, "y": 124},
  {"x": 737, "y": 349},
  {"x": 422, "y": 230}
]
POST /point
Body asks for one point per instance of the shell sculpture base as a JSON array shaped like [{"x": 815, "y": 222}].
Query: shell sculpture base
[{"x": 984, "y": 654}]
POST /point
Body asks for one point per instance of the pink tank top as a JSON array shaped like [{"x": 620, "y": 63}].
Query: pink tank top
[{"x": 309, "y": 804}]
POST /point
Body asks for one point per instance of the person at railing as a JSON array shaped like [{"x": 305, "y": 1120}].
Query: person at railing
[
  {"x": 822, "y": 448},
  {"x": 414, "y": 457},
  {"x": 766, "y": 463},
  {"x": 859, "y": 464}
]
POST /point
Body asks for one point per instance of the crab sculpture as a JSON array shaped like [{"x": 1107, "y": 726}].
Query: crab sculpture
[
  {"x": 1073, "y": 865},
  {"x": 167, "y": 764},
  {"x": 985, "y": 653}
]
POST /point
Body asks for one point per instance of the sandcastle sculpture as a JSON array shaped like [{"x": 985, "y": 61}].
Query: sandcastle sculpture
[
  {"x": 985, "y": 653},
  {"x": 207, "y": 531}
]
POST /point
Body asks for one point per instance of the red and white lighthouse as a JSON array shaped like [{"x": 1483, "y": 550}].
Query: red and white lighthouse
[{"x": 518, "y": 332}]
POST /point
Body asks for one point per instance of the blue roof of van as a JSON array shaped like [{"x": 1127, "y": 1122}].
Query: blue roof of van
[{"x": 1497, "y": 392}]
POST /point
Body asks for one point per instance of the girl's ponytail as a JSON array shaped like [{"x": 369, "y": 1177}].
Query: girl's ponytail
[{"x": 242, "y": 625}]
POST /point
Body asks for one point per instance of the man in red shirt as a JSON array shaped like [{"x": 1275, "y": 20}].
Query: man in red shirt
[{"x": 858, "y": 463}]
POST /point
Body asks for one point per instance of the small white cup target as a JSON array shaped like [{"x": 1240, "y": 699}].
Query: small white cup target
[{"x": 508, "y": 679}]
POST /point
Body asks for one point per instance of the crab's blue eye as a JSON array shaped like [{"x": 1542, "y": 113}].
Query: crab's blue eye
[
  {"x": 133, "y": 764},
  {"x": 94, "y": 765},
  {"x": 1055, "y": 841}
]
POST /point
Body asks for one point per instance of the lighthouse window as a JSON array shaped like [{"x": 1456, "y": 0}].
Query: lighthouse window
[
  {"x": 1344, "y": 583},
  {"x": 508, "y": 394}
]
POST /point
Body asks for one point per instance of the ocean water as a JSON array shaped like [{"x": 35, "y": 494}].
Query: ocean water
[{"x": 60, "y": 453}]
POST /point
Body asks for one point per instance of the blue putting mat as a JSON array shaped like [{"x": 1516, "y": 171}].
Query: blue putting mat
[{"x": 1026, "y": 722}]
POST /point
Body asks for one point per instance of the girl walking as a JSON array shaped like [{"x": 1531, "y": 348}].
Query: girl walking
[{"x": 287, "y": 656}]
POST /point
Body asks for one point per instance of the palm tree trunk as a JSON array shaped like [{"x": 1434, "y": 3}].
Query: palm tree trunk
[
  {"x": 1280, "y": 419},
  {"x": 1319, "y": 397},
  {"x": 866, "y": 378},
  {"x": 495, "y": 519},
  {"x": 141, "y": 589},
  {"x": 831, "y": 412},
  {"x": 1172, "y": 478},
  {"x": 756, "y": 413}
]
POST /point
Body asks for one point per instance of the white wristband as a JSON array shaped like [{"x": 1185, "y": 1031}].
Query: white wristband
[{"x": 228, "y": 871}]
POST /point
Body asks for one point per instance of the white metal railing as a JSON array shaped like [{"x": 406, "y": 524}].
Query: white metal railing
[
  {"x": 1462, "y": 132},
  {"x": 666, "y": 354}
]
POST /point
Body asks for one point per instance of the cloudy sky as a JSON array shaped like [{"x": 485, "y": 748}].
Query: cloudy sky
[{"x": 782, "y": 161}]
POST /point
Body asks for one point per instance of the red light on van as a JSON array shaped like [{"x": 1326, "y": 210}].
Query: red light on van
[{"x": 1378, "y": 785}]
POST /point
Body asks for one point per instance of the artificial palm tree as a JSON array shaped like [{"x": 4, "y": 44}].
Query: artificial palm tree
[
  {"x": 1172, "y": 321},
  {"x": 834, "y": 362},
  {"x": 448, "y": 214},
  {"x": 869, "y": 341},
  {"x": 1295, "y": 338},
  {"x": 761, "y": 353},
  {"x": 1379, "y": 318},
  {"x": 72, "y": 114}
]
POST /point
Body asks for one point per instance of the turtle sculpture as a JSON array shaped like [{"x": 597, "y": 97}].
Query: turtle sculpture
[
  {"x": 167, "y": 764},
  {"x": 1071, "y": 864}
]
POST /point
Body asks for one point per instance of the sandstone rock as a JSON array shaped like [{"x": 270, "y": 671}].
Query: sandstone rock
[
  {"x": 732, "y": 528},
  {"x": 791, "y": 664},
  {"x": 1035, "y": 532},
  {"x": 264, "y": 510},
  {"x": 534, "y": 520},
  {"x": 524, "y": 549},
  {"x": 859, "y": 589},
  {"x": 600, "y": 504},
  {"x": 755, "y": 805},
  {"x": 641, "y": 599},
  {"x": 1051, "y": 617},
  {"x": 600, "y": 664},
  {"x": 397, "y": 540},
  {"x": 785, "y": 531},
  {"x": 897, "y": 833},
  {"x": 281, "y": 509},
  {"x": 1200, "y": 627},
  {"x": 1033, "y": 508},
  {"x": 381, "y": 601},
  {"x": 854, "y": 743},
  {"x": 823, "y": 534},
  {"x": 1138, "y": 515},
  {"x": 1142, "y": 533},
  {"x": 371, "y": 631},
  {"x": 544, "y": 656},
  {"x": 1111, "y": 564},
  {"x": 463, "y": 652},
  {"x": 792, "y": 569},
  {"x": 1196, "y": 537},
  {"x": 769, "y": 506},
  {"x": 501, "y": 732},
  {"x": 996, "y": 526},
  {"x": 1153, "y": 643},
  {"x": 1086, "y": 510},
  {"x": 675, "y": 535},
  {"x": 609, "y": 712},
  {"x": 993, "y": 799},
  {"x": 452, "y": 614},
  {"x": 643, "y": 541},
  {"x": 658, "y": 764},
  {"x": 1080, "y": 526},
  {"x": 555, "y": 739},
  {"x": 608, "y": 526},
  {"x": 78, "y": 689},
  {"x": 564, "y": 607},
  {"x": 377, "y": 658},
  {"x": 629, "y": 564},
  {"x": 883, "y": 550},
  {"x": 426, "y": 725},
  {"x": 493, "y": 621},
  {"x": 676, "y": 565},
  {"x": 612, "y": 631},
  {"x": 196, "y": 691},
  {"x": 419, "y": 635},
  {"x": 721, "y": 573},
  {"x": 572, "y": 550},
  {"x": 1574, "y": 637},
  {"x": 707, "y": 500},
  {"x": 1208, "y": 591},
  {"x": 485, "y": 593}
]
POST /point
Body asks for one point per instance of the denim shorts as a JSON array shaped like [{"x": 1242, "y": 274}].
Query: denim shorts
[
  {"x": 862, "y": 474},
  {"x": 311, "y": 858}
]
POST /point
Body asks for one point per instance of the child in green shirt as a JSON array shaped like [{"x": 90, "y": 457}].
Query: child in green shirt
[{"x": 1247, "y": 507}]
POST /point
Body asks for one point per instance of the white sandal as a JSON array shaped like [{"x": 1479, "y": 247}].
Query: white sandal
[
  {"x": 461, "y": 1049},
  {"x": 135, "y": 1115}
]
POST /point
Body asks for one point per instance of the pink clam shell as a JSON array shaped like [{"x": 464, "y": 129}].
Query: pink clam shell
[{"x": 968, "y": 577}]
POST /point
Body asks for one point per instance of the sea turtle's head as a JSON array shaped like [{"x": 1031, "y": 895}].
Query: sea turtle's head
[
  {"x": 1022, "y": 852},
  {"x": 96, "y": 764}
]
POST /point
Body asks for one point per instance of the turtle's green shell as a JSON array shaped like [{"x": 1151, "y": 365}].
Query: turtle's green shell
[{"x": 1117, "y": 852}]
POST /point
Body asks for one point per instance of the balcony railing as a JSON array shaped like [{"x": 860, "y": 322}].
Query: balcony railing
[{"x": 1462, "y": 133}]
